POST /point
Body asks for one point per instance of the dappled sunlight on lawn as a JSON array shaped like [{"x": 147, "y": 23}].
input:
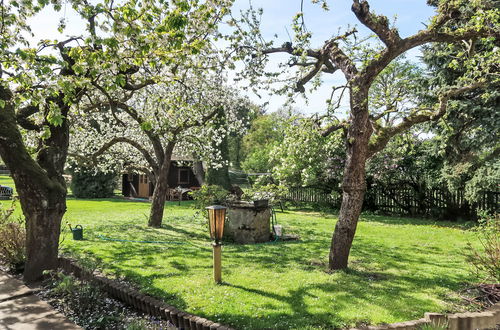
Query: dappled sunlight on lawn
[{"x": 399, "y": 269}]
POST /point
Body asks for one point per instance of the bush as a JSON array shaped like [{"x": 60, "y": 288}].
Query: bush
[
  {"x": 209, "y": 195},
  {"x": 12, "y": 239},
  {"x": 486, "y": 261},
  {"x": 89, "y": 183},
  {"x": 270, "y": 192}
]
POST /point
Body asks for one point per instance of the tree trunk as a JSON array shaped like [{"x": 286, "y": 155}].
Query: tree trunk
[
  {"x": 354, "y": 183},
  {"x": 43, "y": 226},
  {"x": 161, "y": 188},
  {"x": 40, "y": 185},
  {"x": 199, "y": 172}
]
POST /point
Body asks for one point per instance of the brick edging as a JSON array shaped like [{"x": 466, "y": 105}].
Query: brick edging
[
  {"x": 142, "y": 302},
  {"x": 487, "y": 319}
]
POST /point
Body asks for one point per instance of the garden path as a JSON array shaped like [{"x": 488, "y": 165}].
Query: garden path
[{"x": 21, "y": 309}]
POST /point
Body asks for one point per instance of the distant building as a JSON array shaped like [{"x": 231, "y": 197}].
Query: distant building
[{"x": 180, "y": 175}]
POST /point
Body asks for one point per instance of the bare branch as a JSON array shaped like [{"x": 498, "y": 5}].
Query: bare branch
[
  {"x": 288, "y": 48},
  {"x": 377, "y": 23},
  {"x": 155, "y": 140},
  {"x": 423, "y": 37},
  {"x": 390, "y": 109},
  {"x": 332, "y": 128},
  {"x": 340, "y": 59},
  {"x": 311, "y": 74},
  {"x": 134, "y": 87}
]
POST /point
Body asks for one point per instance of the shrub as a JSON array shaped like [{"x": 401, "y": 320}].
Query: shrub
[
  {"x": 486, "y": 260},
  {"x": 271, "y": 192},
  {"x": 12, "y": 239},
  {"x": 89, "y": 183},
  {"x": 209, "y": 195}
]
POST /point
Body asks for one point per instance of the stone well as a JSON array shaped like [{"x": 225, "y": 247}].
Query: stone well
[{"x": 247, "y": 223}]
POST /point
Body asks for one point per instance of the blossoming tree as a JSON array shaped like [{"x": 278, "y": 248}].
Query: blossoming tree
[
  {"x": 141, "y": 132},
  {"x": 40, "y": 84}
]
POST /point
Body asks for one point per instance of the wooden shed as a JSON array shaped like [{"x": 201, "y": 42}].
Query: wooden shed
[{"x": 180, "y": 175}]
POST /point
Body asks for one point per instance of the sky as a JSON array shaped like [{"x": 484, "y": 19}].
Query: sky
[{"x": 277, "y": 18}]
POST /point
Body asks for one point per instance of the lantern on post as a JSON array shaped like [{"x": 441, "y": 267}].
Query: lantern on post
[{"x": 216, "y": 217}]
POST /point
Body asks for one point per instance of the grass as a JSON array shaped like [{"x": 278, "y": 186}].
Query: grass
[
  {"x": 7, "y": 181},
  {"x": 399, "y": 268}
]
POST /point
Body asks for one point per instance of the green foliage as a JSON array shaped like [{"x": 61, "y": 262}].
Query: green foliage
[
  {"x": 65, "y": 284},
  {"x": 479, "y": 179},
  {"x": 486, "y": 259},
  {"x": 468, "y": 136},
  {"x": 12, "y": 238},
  {"x": 407, "y": 160},
  {"x": 394, "y": 91},
  {"x": 248, "y": 112},
  {"x": 266, "y": 132},
  {"x": 306, "y": 158},
  {"x": 209, "y": 195},
  {"x": 271, "y": 192},
  {"x": 90, "y": 183},
  {"x": 259, "y": 160},
  {"x": 136, "y": 325}
]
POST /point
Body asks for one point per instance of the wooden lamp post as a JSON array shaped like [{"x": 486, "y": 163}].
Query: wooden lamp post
[{"x": 216, "y": 217}]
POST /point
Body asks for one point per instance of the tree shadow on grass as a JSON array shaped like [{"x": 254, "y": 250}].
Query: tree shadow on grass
[{"x": 354, "y": 291}]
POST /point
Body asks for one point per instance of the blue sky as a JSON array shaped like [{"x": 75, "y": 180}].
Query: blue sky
[{"x": 277, "y": 18}]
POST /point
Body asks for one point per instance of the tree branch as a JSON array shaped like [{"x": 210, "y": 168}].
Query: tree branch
[
  {"x": 22, "y": 118},
  {"x": 332, "y": 128},
  {"x": 423, "y": 37},
  {"x": 187, "y": 124},
  {"x": 384, "y": 134},
  {"x": 288, "y": 48},
  {"x": 379, "y": 24},
  {"x": 131, "y": 142}
]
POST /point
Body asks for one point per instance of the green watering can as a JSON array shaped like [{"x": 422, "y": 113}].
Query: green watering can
[{"x": 77, "y": 232}]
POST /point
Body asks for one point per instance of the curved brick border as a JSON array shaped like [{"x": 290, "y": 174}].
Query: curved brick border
[
  {"x": 142, "y": 302},
  {"x": 488, "y": 319}
]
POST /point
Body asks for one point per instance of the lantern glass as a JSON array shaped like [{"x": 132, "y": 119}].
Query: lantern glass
[{"x": 216, "y": 217}]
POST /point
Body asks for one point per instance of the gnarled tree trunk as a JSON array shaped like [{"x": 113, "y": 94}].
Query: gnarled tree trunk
[
  {"x": 40, "y": 185},
  {"x": 354, "y": 182},
  {"x": 44, "y": 213}
]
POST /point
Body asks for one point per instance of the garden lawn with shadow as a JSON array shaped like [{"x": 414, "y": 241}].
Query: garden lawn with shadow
[{"x": 399, "y": 268}]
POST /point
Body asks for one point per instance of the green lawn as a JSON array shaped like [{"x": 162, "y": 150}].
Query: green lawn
[
  {"x": 7, "y": 181},
  {"x": 400, "y": 268}
]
